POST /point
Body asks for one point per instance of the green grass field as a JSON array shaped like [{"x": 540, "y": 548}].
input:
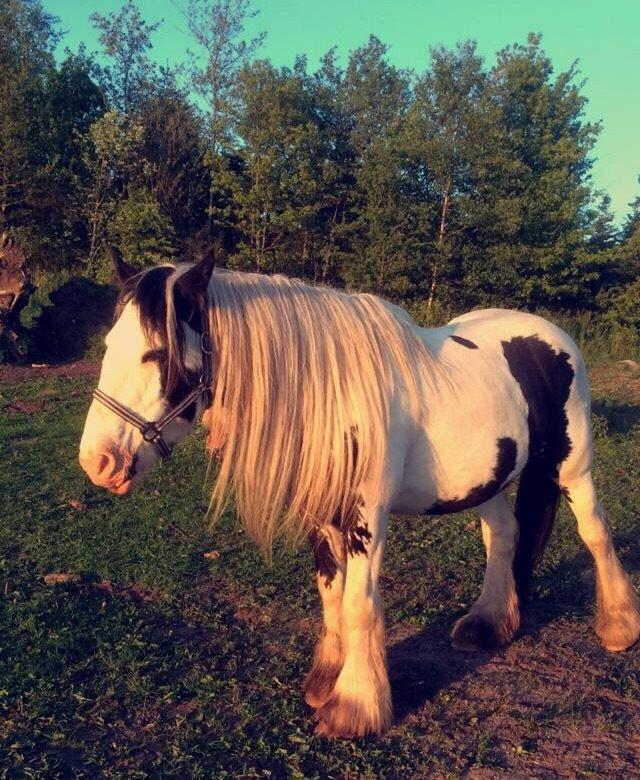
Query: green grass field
[{"x": 180, "y": 654}]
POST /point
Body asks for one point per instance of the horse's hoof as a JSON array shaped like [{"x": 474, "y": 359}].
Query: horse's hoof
[
  {"x": 473, "y": 633},
  {"x": 620, "y": 632},
  {"x": 319, "y": 684},
  {"x": 341, "y": 718}
]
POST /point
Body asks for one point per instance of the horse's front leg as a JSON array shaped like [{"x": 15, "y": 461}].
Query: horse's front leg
[
  {"x": 330, "y": 555},
  {"x": 360, "y": 702}
]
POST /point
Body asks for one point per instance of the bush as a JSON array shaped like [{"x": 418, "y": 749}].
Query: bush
[
  {"x": 67, "y": 318},
  {"x": 599, "y": 335},
  {"x": 622, "y": 307}
]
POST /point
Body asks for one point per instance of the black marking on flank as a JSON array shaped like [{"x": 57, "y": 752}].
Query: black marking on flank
[
  {"x": 545, "y": 377},
  {"x": 505, "y": 464},
  {"x": 464, "y": 342}
]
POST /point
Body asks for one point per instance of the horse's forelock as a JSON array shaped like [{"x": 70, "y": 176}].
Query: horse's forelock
[{"x": 148, "y": 293}]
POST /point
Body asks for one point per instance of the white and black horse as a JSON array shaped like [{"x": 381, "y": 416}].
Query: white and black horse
[{"x": 338, "y": 410}]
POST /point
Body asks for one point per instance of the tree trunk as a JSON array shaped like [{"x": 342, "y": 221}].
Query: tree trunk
[
  {"x": 440, "y": 244},
  {"x": 329, "y": 251},
  {"x": 305, "y": 256}
]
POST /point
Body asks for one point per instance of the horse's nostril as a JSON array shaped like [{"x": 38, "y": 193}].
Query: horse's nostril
[
  {"x": 103, "y": 463},
  {"x": 107, "y": 465}
]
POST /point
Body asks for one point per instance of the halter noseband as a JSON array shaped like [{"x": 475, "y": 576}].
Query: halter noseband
[{"x": 152, "y": 430}]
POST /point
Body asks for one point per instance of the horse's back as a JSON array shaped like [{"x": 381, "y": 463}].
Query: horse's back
[{"x": 500, "y": 325}]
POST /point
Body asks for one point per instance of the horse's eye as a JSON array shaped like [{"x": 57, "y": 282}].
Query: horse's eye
[{"x": 155, "y": 355}]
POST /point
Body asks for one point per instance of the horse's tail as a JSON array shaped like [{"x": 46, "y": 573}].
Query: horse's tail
[{"x": 536, "y": 506}]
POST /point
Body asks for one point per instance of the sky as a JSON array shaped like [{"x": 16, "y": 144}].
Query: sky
[{"x": 604, "y": 35}]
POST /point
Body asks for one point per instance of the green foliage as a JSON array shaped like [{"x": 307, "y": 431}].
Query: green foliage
[
  {"x": 622, "y": 308},
  {"x": 126, "y": 38},
  {"x": 465, "y": 185},
  {"x": 141, "y": 230}
]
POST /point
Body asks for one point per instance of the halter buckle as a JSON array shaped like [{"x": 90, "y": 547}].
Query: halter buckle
[{"x": 207, "y": 395}]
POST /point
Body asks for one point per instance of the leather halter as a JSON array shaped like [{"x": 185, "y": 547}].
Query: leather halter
[{"x": 152, "y": 430}]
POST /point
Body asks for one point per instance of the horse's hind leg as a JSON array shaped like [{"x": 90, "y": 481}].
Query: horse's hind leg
[
  {"x": 330, "y": 559},
  {"x": 618, "y": 609},
  {"x": 495, "y": 617}
]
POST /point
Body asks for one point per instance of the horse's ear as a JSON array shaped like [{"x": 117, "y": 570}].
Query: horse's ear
[
  {"x": 193, "y": 284},
  {"x": 123, "y": 270}
]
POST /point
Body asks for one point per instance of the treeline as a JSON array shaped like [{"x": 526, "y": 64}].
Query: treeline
[{"x": 466, "y": 184}]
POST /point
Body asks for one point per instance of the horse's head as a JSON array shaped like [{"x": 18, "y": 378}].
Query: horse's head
[{"x": 152, "y": 365}]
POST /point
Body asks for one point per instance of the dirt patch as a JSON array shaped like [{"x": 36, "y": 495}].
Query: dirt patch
[
  {"x": 25, "y": 407},
  {"x": 81, "y": 369},
  {"x": 120, "y": 590},
  {"x": 619, "y": 381},
  {"x": 552, "y": 705}
]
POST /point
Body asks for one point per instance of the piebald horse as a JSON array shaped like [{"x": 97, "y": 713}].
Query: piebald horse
[{"x": 330, "y": 411}]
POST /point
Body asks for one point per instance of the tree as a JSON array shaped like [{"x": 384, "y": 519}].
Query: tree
[
  {"x": 385, "y": 202},
  {"x": 71, "y": 102},
  {"x": 543, "y": 186},
  {"x": 173, "y": 148},
  {"x": 126, "y": 38},
  {"x": 27, "y": 40},
  {"x": 450, "y": 119},
  {"x": 217, "y": 27},
  {"x": 285, "y": 193},
  {"x": 113, "y": 157},
  {"x": 141, "y": 230},
  {"x": 628, "y": 250}
]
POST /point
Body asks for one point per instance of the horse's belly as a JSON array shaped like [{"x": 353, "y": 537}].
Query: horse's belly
[{"x": 461, "y": 462}]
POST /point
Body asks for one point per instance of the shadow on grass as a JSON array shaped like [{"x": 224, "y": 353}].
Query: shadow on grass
[
  {"x": 620, "y": 417},
  {"x": 126, "y": 671},
  {"x": 424, "y": 663}
]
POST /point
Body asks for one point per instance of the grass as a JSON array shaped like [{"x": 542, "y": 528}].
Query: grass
[{"x": 165, "y": 662}]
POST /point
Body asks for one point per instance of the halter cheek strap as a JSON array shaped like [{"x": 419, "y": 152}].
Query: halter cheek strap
[{"x": 151, "y": 431}]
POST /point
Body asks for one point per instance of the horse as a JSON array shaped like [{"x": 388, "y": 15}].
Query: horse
[{"x": 338, "y": 410}]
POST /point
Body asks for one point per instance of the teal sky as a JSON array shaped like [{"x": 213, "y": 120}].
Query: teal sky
[{"x": 604, "y": 35}]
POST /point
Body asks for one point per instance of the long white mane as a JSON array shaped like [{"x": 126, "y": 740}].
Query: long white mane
[{"x": 305, "y": 378}]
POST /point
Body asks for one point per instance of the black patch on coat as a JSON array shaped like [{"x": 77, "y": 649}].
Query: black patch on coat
[
  {"x": 355, "y": 534},
  {"x": 148, "y": 292},
  {"x": 357, "y": 538},
  {"x": 325, "y": 562},
  {"x": 505, "y": 464},
  {"x": 545, "y": 377},
  {"x": 356, "y": 530},
  {"x": 464, "y": 342}
]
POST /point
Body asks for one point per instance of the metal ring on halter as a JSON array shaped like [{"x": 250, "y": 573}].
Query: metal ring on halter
[
  {"x": 205, "y": 343},
  {"x": 150, "y": 428}
]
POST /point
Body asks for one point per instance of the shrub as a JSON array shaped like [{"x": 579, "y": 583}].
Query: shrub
[{"x": 67, "y": 318}]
